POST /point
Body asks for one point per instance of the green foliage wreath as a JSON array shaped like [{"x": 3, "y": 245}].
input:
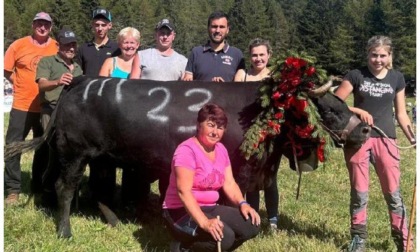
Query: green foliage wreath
[{"x": 284, "y": 98}]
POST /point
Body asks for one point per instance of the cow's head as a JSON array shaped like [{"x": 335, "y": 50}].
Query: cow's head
[{"x": 344, "y": 126}]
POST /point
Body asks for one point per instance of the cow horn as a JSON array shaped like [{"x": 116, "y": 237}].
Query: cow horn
[{"x": 324, "y": 88}]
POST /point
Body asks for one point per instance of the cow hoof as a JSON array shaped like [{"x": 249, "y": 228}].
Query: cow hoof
[{"x": 64, "y": 233}]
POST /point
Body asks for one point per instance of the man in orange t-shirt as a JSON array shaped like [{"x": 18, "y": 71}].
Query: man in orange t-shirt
[{"x": 20, "y": 63}]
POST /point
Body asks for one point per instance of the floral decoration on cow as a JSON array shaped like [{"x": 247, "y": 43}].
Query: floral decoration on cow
[{"x": 287, "y": 108}]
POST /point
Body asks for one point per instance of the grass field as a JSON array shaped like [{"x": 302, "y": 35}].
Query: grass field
[{"x": 318, "y": 221}]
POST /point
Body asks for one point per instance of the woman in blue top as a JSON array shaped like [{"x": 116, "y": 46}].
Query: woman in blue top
[{"x": 120, "y": 66}]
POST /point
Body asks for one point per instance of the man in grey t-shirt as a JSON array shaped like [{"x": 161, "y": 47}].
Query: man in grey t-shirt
[{"x": 161, "y": 62}]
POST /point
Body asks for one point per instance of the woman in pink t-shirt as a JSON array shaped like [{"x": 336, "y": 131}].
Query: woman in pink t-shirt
[{"x": 200, "y": 167}]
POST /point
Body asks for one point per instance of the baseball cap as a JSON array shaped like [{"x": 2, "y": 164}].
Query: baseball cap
[
  {"x": 98, "y": 13},
  {"x": 66, "y": 36},
  {"x": 42, "y": 16},
  {"x": 165, "y": 22}
]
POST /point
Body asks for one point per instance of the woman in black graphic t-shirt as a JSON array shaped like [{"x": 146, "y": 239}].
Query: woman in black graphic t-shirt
[{"x": 377, "y": 88}]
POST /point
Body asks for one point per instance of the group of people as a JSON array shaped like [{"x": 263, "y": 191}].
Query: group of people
[{"x": 39, "y": 69}]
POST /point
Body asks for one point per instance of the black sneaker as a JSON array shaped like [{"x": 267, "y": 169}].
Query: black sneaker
[{"x": 357, "y": 244}]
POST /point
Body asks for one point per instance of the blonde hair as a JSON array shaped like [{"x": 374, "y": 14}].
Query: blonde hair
[
  {"x": 128, "y": 32},
  {"x": 381, "y": 41}
]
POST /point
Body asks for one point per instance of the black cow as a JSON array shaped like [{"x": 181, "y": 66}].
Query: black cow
[{"x": 139, "y": 123}]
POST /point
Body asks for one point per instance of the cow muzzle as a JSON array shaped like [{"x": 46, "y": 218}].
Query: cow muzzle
[{"x": 340, "y": 138}]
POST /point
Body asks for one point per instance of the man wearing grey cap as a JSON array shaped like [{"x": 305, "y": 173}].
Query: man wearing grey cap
[
  {"x": 161, "y": 62},
  {"x": 20, "y": 62},
  {"x": 52, "y": 74},
  {"x": 91, "y": 55}
]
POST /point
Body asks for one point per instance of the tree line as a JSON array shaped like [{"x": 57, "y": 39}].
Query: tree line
[{"x": 335, "y": 32}]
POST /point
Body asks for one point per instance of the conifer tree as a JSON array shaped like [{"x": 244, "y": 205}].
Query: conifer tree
[
  {"x": 279, "y": 34},
  {"x": 249, "y": 19},
  {"x": 190, "y": 20}
]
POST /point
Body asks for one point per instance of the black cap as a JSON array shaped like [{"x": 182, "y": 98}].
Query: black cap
[
  {"x": 101, "y": 13},
  {"x": 66, "y": 36},
  {"x": 165, "y": 23}
]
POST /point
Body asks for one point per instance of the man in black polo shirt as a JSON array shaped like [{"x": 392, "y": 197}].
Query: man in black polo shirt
[
  {"x": 217, "y": 60},
  {"x": 92, "y": 55}
]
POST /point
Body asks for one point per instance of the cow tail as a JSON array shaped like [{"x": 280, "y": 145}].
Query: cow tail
[{"x": 16, "y": 148}]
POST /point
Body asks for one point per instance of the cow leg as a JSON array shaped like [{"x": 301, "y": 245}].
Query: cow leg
[
  {"x": 163, "y": 186},
  {"x": 65, "y": 187},
  {"x": 102, "y": 180},
  {"x": 135, "y": 186}
]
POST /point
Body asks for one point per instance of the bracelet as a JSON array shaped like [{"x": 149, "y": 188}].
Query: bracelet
[{"x": 243, "y": 202}]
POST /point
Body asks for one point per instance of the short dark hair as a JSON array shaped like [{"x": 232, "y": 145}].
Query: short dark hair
[
  {"x": 217, "y": 15},
  {"x": 260, "y": 42},
  {"x": 214, "y": 113}
]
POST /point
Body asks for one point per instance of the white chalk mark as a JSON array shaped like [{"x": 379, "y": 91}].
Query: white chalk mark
[
  {"x": 153, "y": 113},
  {"x": 198, "y": 106},
  {"x": 102, "y": 86},
  {"x": 86, "y": 92},
  {"x": 118, "y": 95},
  {"x": 186, "y": 129},
  {"x": 195, "y": 107}
]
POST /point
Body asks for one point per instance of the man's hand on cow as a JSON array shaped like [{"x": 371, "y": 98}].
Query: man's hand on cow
[
  {"x": 187, "y": 77},
  {"x": 65, "y": 79},
  {"x": 217, "y": 79},
  {"x": 247, "y": 211}
]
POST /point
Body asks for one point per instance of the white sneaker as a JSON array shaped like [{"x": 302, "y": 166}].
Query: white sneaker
[{"x": 273, "y": 226}]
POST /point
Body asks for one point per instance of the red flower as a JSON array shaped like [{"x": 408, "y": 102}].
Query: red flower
[
  {"x": 276, "y": 95},
  {"x": 304, "y": 132},
  {"x": 289, "y": 101},
  {"x": 274, "y": 126},
  {"x": 295, "y": 62},
  {"x": 283, "y": 87},
  {"x": 320, "y": 151},
  {"x": 301, "y": 104},
  {"x": 263, "y": 134},
  {"x": 295, "y": 81},
  {"x": 310, "y": 71},
  {"x": 302, "y": 63},
  {"x": 277, "y": 128},
  {"x": 289, "y": 61},
  {"x": 278, "y": 115},
  {"x": 278, "y": 104}
]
